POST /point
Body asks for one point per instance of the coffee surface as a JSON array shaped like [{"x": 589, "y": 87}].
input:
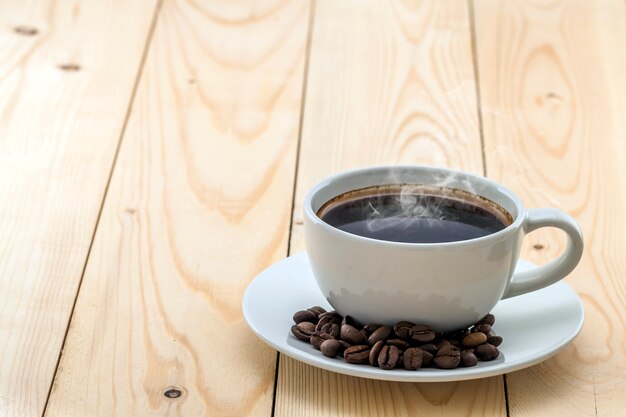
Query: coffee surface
[{"x": 414, "y": 215}]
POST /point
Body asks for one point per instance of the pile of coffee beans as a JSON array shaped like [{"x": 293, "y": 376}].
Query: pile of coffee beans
[{"x": 406, "y": 345}]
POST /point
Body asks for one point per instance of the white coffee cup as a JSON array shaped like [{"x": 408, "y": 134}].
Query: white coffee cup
[{"x": 446, "y": 285}]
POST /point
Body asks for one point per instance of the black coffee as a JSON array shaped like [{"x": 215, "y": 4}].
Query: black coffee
[{"x": 414, "y": 214}]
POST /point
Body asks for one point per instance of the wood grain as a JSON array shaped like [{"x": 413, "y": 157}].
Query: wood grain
[
  {"x": 553, "y": 84},
  {"x": 389, "y": 82},
  {"x": 199, "y": 204},
  {"x": 67, "y": 72},
  {"x": 305, "y": 391}
]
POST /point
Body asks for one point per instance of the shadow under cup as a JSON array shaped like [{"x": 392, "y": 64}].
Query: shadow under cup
[{"x": 447, "y": 284}]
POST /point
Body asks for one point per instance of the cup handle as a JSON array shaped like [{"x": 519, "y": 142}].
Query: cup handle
[{"x": 542, "y": 276}]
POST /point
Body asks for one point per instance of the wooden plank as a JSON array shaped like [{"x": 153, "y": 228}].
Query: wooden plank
[
  {"x": 553, "y": 84},
  {"x": 67, "y": 73},
  {"x": 307, "y": 391},
  {"x": 199, "y": 204},
  {"x": 389, "y": 82}
]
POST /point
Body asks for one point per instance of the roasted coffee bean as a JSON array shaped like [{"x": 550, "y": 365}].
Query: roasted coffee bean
[
  {"x": 474, "y": 339},
  {"x": 351, "y": 335},
  {"x": 324, "y": 320},
  {"x": 406, "y": 344},
  {"x": 301, "y": 333},
  {"x": 349, "y": 320},
  {"x": 304, "y": 315},
  {"x": 427, "y": 359},
  {"x": 458, "y": 335},
  {"x": 331, "y": 347},
  {"x": 413, "y": 358},
  {"x": 443, "y": 343},
  {"x": 402, "y": 329},
  {"x": 489, "y": 319},
  {"x": 357, "y": 354},
  {"x": 373, "y": 358},
  {"x": 422, "y": 333},
  {"x": 448, "y": 357},
  {"x": 317, "y": 310},
  {"x": 318, "y": 338},
  {"x": 382, "y": 333},
  {"x": 371, "y": 327},
  {"x": 429, "y": 347},
  {"x": 333, "y": 314},
  {"x": 344, "y": 345},
  {"x": 305, "y": 325},
  {"x": 332, "y": 329},
  {"x": 388, "y": 357},
  {"x": 486, "y": 352},
  {"x": 483, "y": 328},
  {"x": 468, "y": 358},
  {"x": 494, "y": 340},
  {"x": 399, "y": 343},
  {"x": 324, "y": 327}
]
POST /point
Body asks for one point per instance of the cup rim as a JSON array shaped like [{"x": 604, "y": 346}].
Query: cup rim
[{"x": 312, "y": 216}]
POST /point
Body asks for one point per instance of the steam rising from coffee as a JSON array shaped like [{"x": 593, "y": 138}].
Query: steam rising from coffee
[
  {"x": 445, "y": 209},
  {"x": 414, "y": 202}
]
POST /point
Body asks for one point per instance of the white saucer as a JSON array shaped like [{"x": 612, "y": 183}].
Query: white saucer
[{"x": 534, "y": 326}]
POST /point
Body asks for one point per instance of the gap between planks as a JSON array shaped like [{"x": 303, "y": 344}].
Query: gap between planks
[
  {"x": 305, "y": 78},
  {"x": 129, "y": 107}
]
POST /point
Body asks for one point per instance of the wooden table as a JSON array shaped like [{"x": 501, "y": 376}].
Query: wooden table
[{"x": 154, "y": 156}]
